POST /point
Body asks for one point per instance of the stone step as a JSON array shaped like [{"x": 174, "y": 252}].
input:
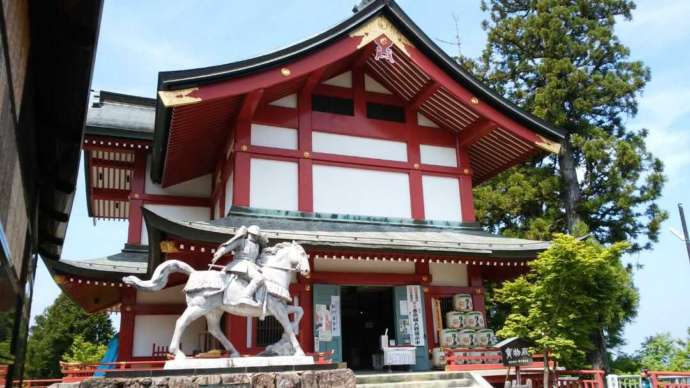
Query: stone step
[
  {"x": 386, "y": 378},
  {"x": 443, "y": 383}
]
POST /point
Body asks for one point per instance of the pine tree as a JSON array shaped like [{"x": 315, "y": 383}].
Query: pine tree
[
  {"x": 561, "y": 61},
  {"x": 54, "y": 332}
]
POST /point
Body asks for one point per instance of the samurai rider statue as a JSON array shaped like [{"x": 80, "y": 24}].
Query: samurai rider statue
[{"x": 246, "y": 246}]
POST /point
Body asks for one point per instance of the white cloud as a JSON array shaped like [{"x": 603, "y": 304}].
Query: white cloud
[
  {"x": 658, "y": 22},
  {"x": 666, "y": 113}
]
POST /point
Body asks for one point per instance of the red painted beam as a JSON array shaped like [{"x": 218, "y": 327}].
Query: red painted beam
[
  {"x": 173, "y": 200},
  {"x": 111, "y": 164},
  {"x": 476, "y": 131},
  {"x": 427, "y": 91},
  {"x": 110, "y": 194}
]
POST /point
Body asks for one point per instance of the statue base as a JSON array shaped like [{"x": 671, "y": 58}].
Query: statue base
[
  {"x": 237, "y": 362},
  {"x": 286, "y": 376}
]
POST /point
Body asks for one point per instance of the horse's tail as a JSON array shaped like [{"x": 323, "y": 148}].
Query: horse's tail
[{"x": 160, "y": 275}]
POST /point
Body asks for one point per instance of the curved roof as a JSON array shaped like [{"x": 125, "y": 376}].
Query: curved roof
[{"x": 192, "y": 78}]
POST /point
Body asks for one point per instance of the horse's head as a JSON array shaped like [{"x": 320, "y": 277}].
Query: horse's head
[
  {"x": 299, "y": 260},
  {"x": 288, "y": 254}
]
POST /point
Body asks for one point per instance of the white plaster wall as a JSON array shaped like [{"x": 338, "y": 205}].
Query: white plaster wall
[
  {"x": 273, "y": 184},
  {"x": 330, "y": 265},
  {"x": 277, "y": 137},
  {"x": 333, "y": 143},
  {"x": 437, "y": 155},
  {"x": 441, "y": 198},
  {"x": 372, "y": 85},
  {"x": 448, "y": 274},
  {"x": 158, "y": 329},
  {"x": 228, "y": 194},
  {"x": 178, "y": 213},
  {"x": 197, "y": 187},
  {"x": 425, "y": 122},
  {"x": 361, "y": 192},
  {"x": 170, "y": 295},
  {"x": 343, "y": 80},
  {"x": 289, "y": 101}
]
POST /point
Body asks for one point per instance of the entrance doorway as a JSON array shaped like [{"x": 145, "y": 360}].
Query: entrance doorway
[{"x": 366, "y": 312}]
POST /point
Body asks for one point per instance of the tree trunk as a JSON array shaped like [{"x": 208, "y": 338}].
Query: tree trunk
[
  {"x": 599, "y": 356},
  {"x": 570, "y": 188}
]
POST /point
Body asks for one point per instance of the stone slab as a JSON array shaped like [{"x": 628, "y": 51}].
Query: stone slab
[
  {"x": 237, "y": 362},
  {"x": 340, "y": 377}
]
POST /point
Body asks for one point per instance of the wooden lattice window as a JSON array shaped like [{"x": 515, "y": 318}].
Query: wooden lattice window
[{"x": 268, "y": 331}]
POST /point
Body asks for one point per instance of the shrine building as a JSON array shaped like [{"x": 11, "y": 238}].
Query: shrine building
[{"x": 362, "y": 143}]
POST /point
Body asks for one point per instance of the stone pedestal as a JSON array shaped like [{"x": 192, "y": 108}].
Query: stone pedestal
[
  {"x": 238, "y": 362},
  {"x": 339, "y": 377}
]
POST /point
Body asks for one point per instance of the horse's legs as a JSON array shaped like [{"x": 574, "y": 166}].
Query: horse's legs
[
  {"x": 279, "y": 310},
  {"x": 187, "y": 317},
  {"x": 299, "y": 313},
  {"x": 213, "y": 320}
]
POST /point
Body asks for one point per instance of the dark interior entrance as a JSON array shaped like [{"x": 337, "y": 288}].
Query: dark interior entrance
[{"x": 366, "y": 314}]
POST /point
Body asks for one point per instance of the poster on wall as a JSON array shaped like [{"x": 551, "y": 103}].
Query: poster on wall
[
  {"x": 335, "y": 315},
  {"x": 324, "y": 323},
  {"x": 414, "y": 311}
]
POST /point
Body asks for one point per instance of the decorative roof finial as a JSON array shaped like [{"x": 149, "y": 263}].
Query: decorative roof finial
[{"x": 362, "y": 4}]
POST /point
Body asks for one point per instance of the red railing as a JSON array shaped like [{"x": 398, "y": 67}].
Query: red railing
[
  {"x": 464, "y": 359},
  {"x": 37, "y": 383},
  {"x": 665, "y": 379}
]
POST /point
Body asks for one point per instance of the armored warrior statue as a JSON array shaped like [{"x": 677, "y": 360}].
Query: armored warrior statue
[{"x": 246, "y": 245}]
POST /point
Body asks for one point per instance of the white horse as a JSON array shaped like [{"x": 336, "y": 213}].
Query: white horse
[{"x": 205, "y": 292}]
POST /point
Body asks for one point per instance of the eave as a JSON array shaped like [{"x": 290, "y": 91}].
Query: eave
[{"x": 328, "y": 233}]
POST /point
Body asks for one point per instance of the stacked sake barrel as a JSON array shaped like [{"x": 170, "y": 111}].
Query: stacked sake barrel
[{"x": 464, "y": 328}]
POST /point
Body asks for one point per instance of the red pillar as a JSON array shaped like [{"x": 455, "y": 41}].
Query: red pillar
[
  {"x": 305, "y": 202},
  {"x": 127, "y": 315},
  {"x": 137, "y": 190},
  {"x": 413, "y": 157},
  {"x": 466, "y": 196}
]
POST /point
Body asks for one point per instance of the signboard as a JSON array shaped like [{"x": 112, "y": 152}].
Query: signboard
[
  {"x": 414, "y": 312},
  {"x": 515, "y": 351}
]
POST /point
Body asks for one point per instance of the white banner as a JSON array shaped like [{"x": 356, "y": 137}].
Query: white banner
[
  {"x": 414, "y": 311},
  {"x": 335, "y": 315}
]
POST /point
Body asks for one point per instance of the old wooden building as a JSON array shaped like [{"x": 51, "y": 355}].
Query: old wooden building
[{"x": 362, "y": 143}]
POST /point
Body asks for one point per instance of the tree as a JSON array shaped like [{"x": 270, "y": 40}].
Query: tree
[
  {"x": 663, "y": 352},
  {"x": 572, "y": 289},
  {"x": 6, "y": 326},
  {"x": 561, "y": 61},
  {"x": 55, "y": 331},
  {"x": 85, "y": 352}
]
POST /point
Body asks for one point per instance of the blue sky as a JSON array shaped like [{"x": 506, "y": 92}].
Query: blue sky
[{"x": 139, "y": 38}]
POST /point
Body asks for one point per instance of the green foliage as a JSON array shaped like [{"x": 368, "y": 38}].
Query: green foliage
[
  {"x": 561, "y": 60},
  {"x": 663, "y": 352},
  {"x": 55, "y": 331},
  {"x": 84, "y": 351},
  {"x": 573, "y": 288},
  {"x": 658, "y": 352},
  {"x": 6, "y": 326}
]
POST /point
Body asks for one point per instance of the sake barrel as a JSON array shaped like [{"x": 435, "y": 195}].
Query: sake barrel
[
  {"x": 438, "y": 358},
  {"x": 454, "y": 320},
  {"x": 473, "y": 320},
  {"x": 448, "y": 338},
  {"x": 465, "y": 337},
  {"x": 462, "y": 302},
  {"x": 484, "y": 338}
]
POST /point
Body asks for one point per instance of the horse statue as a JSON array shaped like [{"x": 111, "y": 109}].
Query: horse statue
[{"x": 210, "y": 293}]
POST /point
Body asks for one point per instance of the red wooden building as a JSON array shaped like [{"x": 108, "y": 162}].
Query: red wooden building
[{"x": 362, "y": 143}]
